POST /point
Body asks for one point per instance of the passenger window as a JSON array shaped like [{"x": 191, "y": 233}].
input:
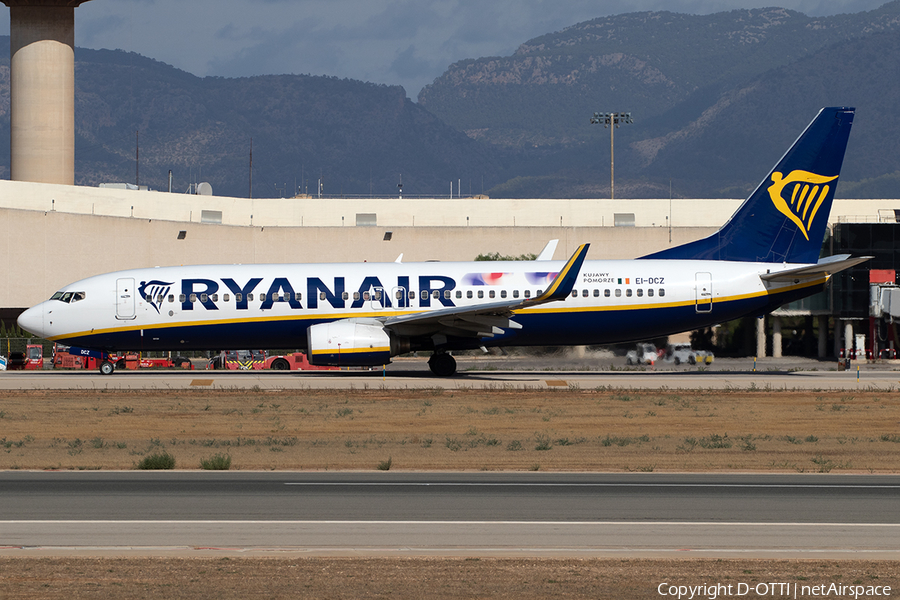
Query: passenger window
[
  {"x": 238, "y": 297},
  {"x": 596, "y": 293},
  {"x": 298, "y": 296},
  {"x": 662, "y": 292},
  {"x": 492, "y": 294},
  {"x": 250, "y": 297},
  {"x": 447, "y": 294},
  {"x": 399, "y": 295},
  {"x": 226, "y": 297},
  {"x": 640, "y": 292},
  {"x": 345, "y": 296},
  {"x": 424, "y": 294},
  {"x": 458, "y": 294},
  {"x": 412, "y": 295},
  {"x": 650, "y": 292},
  {"x": 435, "y": 294},
  {"x": 469, "y": 294},
  {"x": 321, "y": 295},
  {"x": 481, "y": 293},
  {"x": 574, "y": 293},
  {"x": 528, "y": 293},
  {"x": 378, "y": 295},
  {"x": 503, "y": 293},
  {"x": 182, "y": 298},
  {"x": 204, "y": 297},
  {"x": 584, "y": 293},
  {"x": 193, "y": 298},
  {"x": 171, "y": 298},
  {"x": 618, "y": 293},
  {"x": 356, "y": 295},
  {"x": 606, "y": 293},
  {"x": 515, "y": 293},
  {"x": 628, "y": 292},
  {"x": 215, "y": 297}
]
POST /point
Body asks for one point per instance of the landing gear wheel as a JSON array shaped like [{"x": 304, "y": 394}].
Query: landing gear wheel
[
  {"x": 107, "y": 368},
  {"x": 442, "y": 364}
]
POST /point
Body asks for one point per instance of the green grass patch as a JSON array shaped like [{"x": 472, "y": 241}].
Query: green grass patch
[
  {"x": 156, "y": 461},
  {"x": 216, "y": 462}
]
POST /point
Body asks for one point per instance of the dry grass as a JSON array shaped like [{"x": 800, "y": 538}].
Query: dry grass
[
  {"x": 598, "y": 430},
  {"x": 416, "y": 578}
]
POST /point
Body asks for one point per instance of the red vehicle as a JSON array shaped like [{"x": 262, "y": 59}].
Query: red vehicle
[
  {"x": 136, "y": 361},
  {"x": 31, "y": 359},
  {"x": 63, "y": 359},
  {"x": 258, "y": 360}
]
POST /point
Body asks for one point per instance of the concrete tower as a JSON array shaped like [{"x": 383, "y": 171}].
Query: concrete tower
[{"x": 42, "y": 90}]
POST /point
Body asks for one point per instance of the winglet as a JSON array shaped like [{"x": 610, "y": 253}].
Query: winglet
[
  {"x": 547, "y": 252},
  {"x": 562, "y": 285}
]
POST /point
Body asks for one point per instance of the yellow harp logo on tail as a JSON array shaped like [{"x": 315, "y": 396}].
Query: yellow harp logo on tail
[{"x": 807, "y": 192}]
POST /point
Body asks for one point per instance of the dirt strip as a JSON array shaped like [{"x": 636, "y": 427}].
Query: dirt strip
[
  {"x": 437, "y": 429},
  {"x": 433, "y": 578}
]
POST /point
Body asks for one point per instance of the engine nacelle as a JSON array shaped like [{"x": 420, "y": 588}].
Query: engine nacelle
[{"x": 350, "y": 343}]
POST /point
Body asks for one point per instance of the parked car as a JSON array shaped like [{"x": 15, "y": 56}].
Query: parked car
[
  {"x": 680, "y": 353},
  {"x": 683, "y": 353},
  {"x": 643, "y": 354}
]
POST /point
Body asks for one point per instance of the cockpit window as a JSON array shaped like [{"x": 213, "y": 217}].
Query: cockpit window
[{"x": 68, "y": 296}]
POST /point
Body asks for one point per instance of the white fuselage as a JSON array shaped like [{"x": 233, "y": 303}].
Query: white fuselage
[{"x": 218, "y": 307}]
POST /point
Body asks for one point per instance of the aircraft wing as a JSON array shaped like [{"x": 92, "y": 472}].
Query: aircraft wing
[
  {"x": 824, "y": 268},
  {"x": 486, "y": 320}
]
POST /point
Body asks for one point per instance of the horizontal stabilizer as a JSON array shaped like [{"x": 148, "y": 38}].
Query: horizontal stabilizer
[{"x": 825, "y": 268}]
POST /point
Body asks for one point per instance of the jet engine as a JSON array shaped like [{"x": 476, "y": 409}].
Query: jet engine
[{"x": 352, "y": 343}]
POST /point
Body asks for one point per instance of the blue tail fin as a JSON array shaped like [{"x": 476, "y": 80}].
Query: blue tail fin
[{"x": 784, "y": 219}]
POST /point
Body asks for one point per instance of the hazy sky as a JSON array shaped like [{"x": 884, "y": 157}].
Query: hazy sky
[{"x": 405, "y": 42}]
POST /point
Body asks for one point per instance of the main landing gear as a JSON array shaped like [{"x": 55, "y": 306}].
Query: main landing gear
[{"x": 442, "y": 364}]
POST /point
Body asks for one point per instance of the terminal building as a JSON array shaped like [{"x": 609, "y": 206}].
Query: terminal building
[{"x": 58, "y": 233}]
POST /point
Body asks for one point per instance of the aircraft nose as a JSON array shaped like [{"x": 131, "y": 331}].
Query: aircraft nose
[{"x": 32, "y": 320}]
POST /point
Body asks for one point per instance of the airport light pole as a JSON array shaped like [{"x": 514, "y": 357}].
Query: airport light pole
[{"x": 614, "y": 119}]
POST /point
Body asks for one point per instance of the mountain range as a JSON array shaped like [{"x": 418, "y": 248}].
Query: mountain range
[{"x": 715, "y": 101}]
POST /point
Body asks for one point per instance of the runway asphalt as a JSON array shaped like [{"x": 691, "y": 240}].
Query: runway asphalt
[
  {"x": 492, "y": 379},
  {"x": 471, "y": 514}
]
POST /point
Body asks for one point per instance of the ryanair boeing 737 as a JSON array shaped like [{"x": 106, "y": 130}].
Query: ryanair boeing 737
[{"x": 767, "y": 254}]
